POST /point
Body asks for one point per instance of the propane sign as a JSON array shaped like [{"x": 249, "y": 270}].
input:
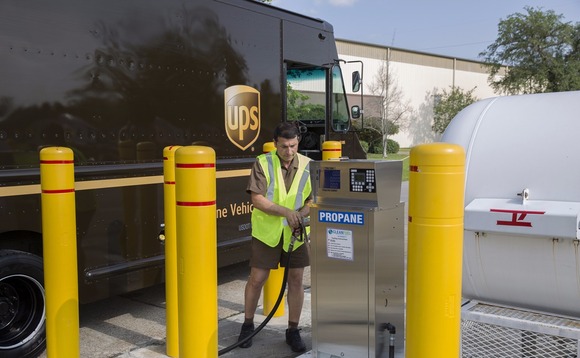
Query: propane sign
[{"x": 341, "y": 217}]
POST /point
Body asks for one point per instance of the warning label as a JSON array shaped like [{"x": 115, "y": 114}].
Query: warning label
[{"x": 339, "y": 244}]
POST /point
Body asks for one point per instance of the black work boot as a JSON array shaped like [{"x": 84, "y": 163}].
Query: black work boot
[
  {"x": 294, "y": 340},
  {"x": 247, "y": 330}
]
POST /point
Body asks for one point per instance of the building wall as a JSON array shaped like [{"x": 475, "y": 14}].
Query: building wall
[{"x": 419, "y": 76}]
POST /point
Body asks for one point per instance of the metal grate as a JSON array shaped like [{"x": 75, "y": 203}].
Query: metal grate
[{"x": 497, "y": 332}]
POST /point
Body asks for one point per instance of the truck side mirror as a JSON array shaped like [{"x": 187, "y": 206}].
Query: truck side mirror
[
  {"x": 355, "y": 112},
  {"x": 356, "y": 81}
]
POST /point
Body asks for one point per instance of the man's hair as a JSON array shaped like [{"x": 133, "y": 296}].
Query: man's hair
[{"x": 287, "y": 130}]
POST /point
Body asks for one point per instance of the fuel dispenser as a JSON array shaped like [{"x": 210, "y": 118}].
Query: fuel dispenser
[{"x": 357, "y": 257}]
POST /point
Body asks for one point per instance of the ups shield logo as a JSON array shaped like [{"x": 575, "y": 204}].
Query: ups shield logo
[{"x": 242, "y": 115}]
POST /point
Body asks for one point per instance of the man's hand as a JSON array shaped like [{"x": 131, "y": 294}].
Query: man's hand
[{"x": 292, "y": 217}]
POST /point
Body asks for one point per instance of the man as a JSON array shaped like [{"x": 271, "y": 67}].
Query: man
[{"x": 280, "y": 189}]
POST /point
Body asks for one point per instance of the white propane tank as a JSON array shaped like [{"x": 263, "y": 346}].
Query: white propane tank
[{"x": 522, "y": 200}]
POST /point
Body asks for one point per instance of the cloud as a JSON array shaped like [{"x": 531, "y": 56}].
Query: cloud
[{"x": 343, "y": 3}]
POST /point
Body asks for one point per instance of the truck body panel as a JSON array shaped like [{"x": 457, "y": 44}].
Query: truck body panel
[{"x": 118, "y": 81}]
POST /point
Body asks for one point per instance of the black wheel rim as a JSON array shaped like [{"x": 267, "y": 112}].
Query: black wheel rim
[{"x": 21, "y": 310}]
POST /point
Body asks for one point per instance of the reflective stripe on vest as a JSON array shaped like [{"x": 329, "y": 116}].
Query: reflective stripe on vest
[
  {"x": 271, "y": 177},
  {"x": 303, "y": 179}
]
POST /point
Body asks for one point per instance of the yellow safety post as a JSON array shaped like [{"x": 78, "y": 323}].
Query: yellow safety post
[
  {"x": 331, "y": 150},
  {"x": 195, "y": 193},
  {"x": 268, "y": 147},
  {"x": 59, "y": 242},
  {"x": 171, "y": 307},
  {"x": 273, "y": 284},
  {"x": 435, "y": 246}
]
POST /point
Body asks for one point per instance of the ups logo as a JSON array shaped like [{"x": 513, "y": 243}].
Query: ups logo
[{"x": 242, "y": 115}]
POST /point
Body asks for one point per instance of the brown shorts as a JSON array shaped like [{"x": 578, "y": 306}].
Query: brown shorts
[{"x": 266, "y": 257}]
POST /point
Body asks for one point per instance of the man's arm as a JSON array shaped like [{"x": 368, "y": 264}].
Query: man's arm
[{"x": 293, "y": 217}]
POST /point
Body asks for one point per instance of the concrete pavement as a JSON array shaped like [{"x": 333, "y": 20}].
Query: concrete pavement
[{"x": 133, "y": 325}]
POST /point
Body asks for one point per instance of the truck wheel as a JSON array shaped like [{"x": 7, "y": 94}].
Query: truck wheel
[{"x": 22, "y": 302}]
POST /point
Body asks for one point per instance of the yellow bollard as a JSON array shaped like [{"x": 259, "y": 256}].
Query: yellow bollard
[
  {"x": 268, "y": 147},
  {"x": 273, "y": 284},
  {"x": 171, "y": 315},
  {"x": 60, "y": 252},
  {"x": 195, "y": 193},
  {"x": 331, "y": 150},
  {"x": 435, "y": 247}
]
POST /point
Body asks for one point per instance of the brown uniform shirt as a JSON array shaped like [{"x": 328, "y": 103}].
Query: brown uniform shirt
[{"x": 258, "y": 183}]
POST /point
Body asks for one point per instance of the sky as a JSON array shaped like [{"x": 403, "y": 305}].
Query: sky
[{"x": 456, "y": 28}]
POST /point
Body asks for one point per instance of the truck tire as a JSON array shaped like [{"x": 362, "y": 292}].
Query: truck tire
[{"x": 22, "y": 305}]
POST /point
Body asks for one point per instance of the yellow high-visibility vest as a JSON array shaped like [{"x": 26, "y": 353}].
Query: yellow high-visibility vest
[{"x": 268, "y": 228}]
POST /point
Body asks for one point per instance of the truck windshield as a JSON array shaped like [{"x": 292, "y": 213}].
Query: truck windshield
[{"x": 306, "y": 97}]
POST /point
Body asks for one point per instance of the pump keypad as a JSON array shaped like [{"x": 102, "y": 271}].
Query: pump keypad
[{"x": 362, "y": 180}]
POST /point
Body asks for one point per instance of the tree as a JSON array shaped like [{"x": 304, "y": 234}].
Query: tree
[
  {"x": 389, "y": 103},
  {"x": 448, "y": 104},
  {"x": 541, "y": 52},
  {"x": 298, "y": 106}
]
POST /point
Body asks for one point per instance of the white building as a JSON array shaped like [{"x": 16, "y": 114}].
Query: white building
[{"x": 419, "y": 77}]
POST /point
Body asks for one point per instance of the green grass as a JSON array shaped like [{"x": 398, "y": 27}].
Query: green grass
[{"x": 402, "y": 155}]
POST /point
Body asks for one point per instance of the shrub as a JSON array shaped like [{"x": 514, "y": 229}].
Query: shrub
[
  {"x": 365, "y": 146},
  {"x": 392, "y": 146}
]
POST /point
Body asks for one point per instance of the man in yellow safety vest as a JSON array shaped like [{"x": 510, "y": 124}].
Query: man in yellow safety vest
[{"x": 280, "y": 189}]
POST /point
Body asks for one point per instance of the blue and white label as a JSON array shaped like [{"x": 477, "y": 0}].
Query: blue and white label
[
  {"x": 341, "y": 217},
  {"x": 339, "y": 244}
]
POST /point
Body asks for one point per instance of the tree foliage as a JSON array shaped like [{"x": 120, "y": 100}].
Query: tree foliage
[
  {"x": 298, "y": 106},
  {"x": 448, "y": 104},
  {"x": 541, "y": 52}
]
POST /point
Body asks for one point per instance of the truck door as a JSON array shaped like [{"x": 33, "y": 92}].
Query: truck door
[{"x": 315, "y": 97}]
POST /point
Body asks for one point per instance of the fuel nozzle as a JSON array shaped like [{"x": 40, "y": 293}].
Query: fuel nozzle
[{"x": 299, "y": 233}]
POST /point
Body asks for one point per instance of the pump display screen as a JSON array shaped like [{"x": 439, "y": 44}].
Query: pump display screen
[
  {"x": 331, "y": 179},
  {"x": 359, "y": 177}
]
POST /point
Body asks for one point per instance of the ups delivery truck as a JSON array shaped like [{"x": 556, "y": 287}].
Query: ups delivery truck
[{"x": 117, "y": 82}]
